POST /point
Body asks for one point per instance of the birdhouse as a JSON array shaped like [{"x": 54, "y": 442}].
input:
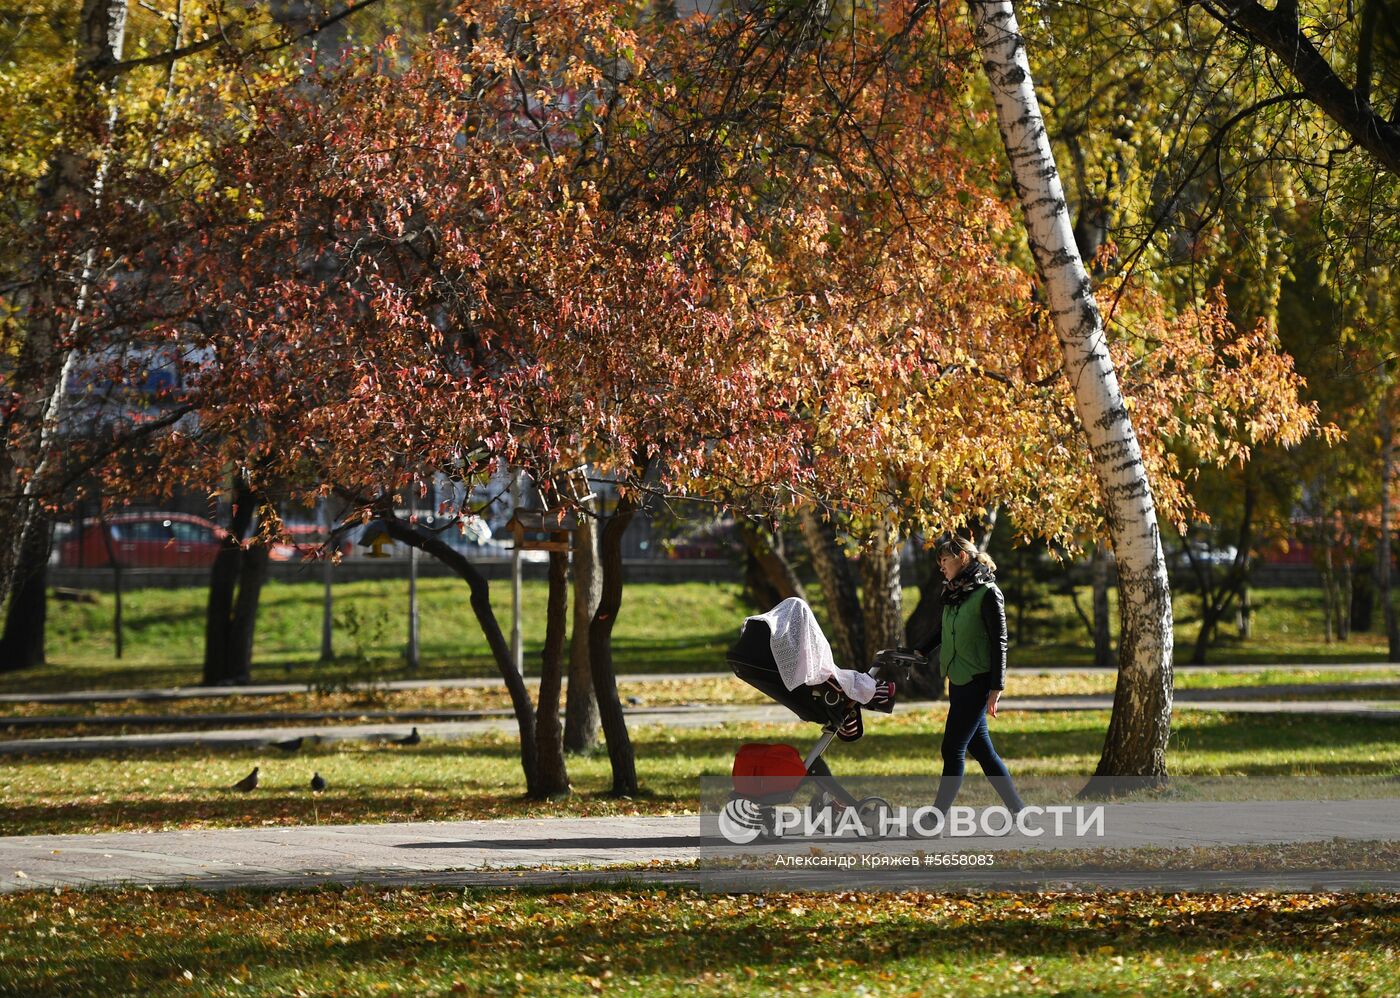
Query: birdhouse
[
  {"x": 577, "y": 486},
  {"x": 376, "y": 538},
  {"x": 536, "y": 530}
]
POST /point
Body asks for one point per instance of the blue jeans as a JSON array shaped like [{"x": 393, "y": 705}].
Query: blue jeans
[{"x": 966, "y": 732}]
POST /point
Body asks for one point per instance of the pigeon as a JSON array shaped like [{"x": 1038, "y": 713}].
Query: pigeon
[
  {"x": 412, "y": 738},
  {"x": 634, "y": 701},
  {"x": 291, "y": 744},
  {"x": 318, "y": 782},
  {"x": 248, "y": 782}
]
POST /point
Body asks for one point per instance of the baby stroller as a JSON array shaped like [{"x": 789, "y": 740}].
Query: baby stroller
[{"x": 766, "y": 775}]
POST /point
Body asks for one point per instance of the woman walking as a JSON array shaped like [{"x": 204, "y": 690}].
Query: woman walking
[{"x": 971, "y": 638}]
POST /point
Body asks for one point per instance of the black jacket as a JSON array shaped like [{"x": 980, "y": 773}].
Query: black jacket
[{"x": 994, "y": 620}]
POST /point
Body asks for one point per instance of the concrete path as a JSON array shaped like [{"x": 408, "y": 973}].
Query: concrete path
[
  {"x": 693, "y": 716},
  {"x": 479, "y": 852},
  {"x": 1302, "y": 691},
  {"x": 280, "y": 689},
  {"x": 493, "y": 682}
]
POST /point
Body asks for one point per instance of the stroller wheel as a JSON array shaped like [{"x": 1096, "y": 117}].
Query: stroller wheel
[
  {"x": 871, "y": 811},
  {"x": 769, "y": 829},
  {"x": 822, "y": 808},
  {"x": 742, "y": 821}
]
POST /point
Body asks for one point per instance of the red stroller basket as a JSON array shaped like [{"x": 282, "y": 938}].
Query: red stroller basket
[
  {"x": 768, "y": 773},
  {"x": 772, "y": 774}
]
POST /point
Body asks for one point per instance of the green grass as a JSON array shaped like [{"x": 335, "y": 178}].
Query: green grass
[
  {"x": 662, "y": 628},
  {"x": 1288, "y": 628},
  {"x": 480, "y": 777},
  {"x": 676, "y": 628},
  {"x": 640, "y": 941},
  {"x": 182, "y": 713}
]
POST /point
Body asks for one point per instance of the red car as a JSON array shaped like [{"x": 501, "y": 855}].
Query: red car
[
  {"x": 142, "y": 540},
  {"x": 304, "y": 540}
]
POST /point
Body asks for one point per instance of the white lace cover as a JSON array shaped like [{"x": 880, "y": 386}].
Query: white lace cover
[{"x": 804, "y": 655}]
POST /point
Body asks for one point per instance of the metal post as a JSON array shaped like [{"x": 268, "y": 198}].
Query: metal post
[
  {"x": 517, "y": 646},
  {"x": 327, "y": 565},
  {"x": 412, "y": 655}
]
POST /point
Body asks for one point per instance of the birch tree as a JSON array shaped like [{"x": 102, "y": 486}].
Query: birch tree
[
  {"x": 37, "y": 382},
  {"x": 1137, "y": 735}
]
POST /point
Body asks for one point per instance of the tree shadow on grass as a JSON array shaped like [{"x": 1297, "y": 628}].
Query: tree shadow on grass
[
  {"x": 648, "y": 939},
  {"x": 374, "y": 807}
]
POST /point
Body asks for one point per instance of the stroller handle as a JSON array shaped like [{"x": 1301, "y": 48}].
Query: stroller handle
[{"x": 896, "y": 664}]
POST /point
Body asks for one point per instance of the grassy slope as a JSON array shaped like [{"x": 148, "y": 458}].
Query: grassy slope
[{"x": 680, "y": 627}]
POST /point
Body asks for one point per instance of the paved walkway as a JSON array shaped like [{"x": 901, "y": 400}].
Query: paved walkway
[
  {"x": 685, "y": 716},
  {"x": 280, "y": 689},
  {"x": 493, "y": 682},
  {"x": 480, "y": 852},
  {"x": 1301, "y": 691}
]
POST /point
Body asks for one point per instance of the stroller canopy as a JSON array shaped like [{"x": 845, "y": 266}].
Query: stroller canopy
[{"x": 803, "y": 654}]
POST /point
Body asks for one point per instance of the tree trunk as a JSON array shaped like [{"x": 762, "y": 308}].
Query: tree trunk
[
  {"x": 1279, "y": 29},
  {"x": 496, "y": 640},
  {"x": 1244, "y": 617},
  {"x": 919, "y": 627},
  {"x": 1329, "y": 591},
  {"x": 845, "y": 619},
  {"x": 581, "y": 706},
  {"x": 1384, "y": 571},
  {"x": 1363, "y": 601},
  {"x": 252, "y": 573},
  {"x": 1103, "y": 639},
  {"x": 1135, "y": 748},
  {"x": 1346, "y": 591},
  {"x": 882, "y": 595},
  {"x": 768, "y": 576},
  {"x": 624, "y": 765},
  {"x": 38, "y": 375},
  {"x": 22, "y": 645},
  {"x": 549, "y": 733},
  {"x": 1205, "y": 635},
  {"x": 229, "y": 614}
]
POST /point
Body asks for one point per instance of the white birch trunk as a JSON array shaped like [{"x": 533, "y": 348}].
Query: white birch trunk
[
  {"x": 45, "y": 357},
  {"x": 1137, "y": 734}
]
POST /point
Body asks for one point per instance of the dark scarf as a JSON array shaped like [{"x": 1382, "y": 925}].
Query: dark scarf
[{"x": 962, "y": 585}]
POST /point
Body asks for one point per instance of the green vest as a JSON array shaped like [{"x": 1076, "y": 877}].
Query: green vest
[{"x": 966, "y": 648}]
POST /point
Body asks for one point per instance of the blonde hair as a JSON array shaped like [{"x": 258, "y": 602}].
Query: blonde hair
[{"x": 952, "y": 545}]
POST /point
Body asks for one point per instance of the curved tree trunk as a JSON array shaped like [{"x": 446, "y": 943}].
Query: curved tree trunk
[
  {"x": 549, "y": 733},
  {"x": 581, "y": 706},
  {"x": 620, "y": 754},
  {"x": 840, "y": 591},
  {"x": 767, "y": 573},
  {"x": 500, "y": 649},
  {"x": 1135, "y": 748},
  {"x": 22, "y": 645}
]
